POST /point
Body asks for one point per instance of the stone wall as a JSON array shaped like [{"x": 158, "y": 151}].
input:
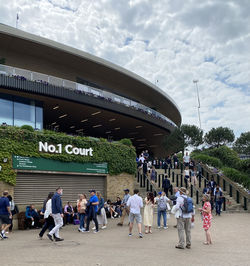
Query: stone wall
[
  {"x": 116, "y": 185},
  {"x": 4, "y": 186}
]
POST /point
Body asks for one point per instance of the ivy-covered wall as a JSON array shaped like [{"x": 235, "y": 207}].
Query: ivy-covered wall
[{"x": 23, "y": 142}]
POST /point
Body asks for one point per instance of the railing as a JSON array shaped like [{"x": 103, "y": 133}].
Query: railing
[
  {"x": 234, "y": 191},
  {"x": 24, "y": 74}
]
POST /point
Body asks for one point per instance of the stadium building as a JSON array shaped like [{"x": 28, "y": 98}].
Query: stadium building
[{"x": 49, "y": 85}]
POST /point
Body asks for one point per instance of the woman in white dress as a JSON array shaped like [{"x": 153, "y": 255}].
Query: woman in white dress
[{"x": 149, "y": 212}]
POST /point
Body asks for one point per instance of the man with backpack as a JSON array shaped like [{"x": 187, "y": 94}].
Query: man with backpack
[
  {"x": 162, "y": 201},
  {"x": 186, "y": 216}
]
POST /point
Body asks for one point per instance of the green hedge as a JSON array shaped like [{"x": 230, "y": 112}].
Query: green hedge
[
  {"x": 237, "y": 176},
  {"x": 244, "y": 165},
  {"x": 23, "y": 142},
  {"x": 226, "y": 155},
  {"x": 215, "y": 162}
]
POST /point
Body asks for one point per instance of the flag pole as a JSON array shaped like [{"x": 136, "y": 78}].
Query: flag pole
[{"x": 17, "y": 18}]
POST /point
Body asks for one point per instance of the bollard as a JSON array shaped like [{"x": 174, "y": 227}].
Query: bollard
[
  {"x": 197, "y": 197},
  {"x": 169, "y": 171},
  {"x": 224, "y": 204},
  {"x": 237, "y": 196},
  {"x": 144, "y": 180},
  {"x": 181, "y": 180},
  {"x": 191, "y": 190},
  {"x": 245, "y": 203},
  {"x": 230, "y": 190},
  {"x": 218, "y": 179},
  {"x": 173, "y": 176},
  {"x": 162, "y": 179},
  {"x": 205, "y": 182},
  {"x": 177, "y": 180},
  {"x": 138, "y": 177},
  {"x": 140, "y": 180},
  {"x": 181, "y": 168},
  {"x": 147, "y": 185},
  {"x": 151, "y": 188},
  {"x": 199, "y": 181},
  {"x": 224, "y": 185}
]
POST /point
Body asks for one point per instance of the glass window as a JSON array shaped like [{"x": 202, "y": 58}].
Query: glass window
[
  {"x": 6, "y": 111},
  {"x": 24, "y": 113},
  {"x": 39, "y": 117}
]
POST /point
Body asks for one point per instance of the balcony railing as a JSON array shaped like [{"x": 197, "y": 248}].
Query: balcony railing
[{"x": 24, "y": 74}]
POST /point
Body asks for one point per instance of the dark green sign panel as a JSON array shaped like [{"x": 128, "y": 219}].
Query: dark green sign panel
[{"x": 42, "y": 164}]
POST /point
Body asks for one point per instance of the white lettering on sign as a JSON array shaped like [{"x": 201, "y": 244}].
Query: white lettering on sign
[{"x": 69, "y": 149}]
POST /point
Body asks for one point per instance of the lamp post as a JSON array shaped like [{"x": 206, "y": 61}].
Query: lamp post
[{"x": 198, "y": 99}]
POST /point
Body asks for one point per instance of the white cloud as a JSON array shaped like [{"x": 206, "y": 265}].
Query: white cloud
[{"x": 173, "y": 42}]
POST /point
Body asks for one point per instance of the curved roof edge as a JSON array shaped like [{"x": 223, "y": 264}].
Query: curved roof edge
[{"x": 76, "y": 52}]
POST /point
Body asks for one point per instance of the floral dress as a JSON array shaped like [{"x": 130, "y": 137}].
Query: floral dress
[{"x": 207, "y": 217}]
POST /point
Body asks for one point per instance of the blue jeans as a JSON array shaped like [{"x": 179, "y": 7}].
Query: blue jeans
[
  {"x": 164, "y": 214},
  {"x": 218, "y": 206},
  {"x": 81, "y": 217}
]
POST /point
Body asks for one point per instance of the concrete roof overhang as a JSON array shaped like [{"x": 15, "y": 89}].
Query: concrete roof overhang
[{"x": 71, "y": 63}]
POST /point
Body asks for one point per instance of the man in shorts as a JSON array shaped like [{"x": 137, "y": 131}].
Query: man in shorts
[
  {"x": 135, "y": 204},
  {"x": 5, "y": 214}
]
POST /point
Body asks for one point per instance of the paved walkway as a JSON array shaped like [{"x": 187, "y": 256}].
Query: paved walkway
[{"x": 112, "y": 246}]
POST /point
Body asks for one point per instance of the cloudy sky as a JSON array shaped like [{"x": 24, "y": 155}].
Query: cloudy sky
[{"x": 170, "y": 43}]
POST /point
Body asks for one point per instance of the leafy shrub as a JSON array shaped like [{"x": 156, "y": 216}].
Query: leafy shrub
[
  {"x": 237, "y": 176},
  {"x": 215, "y": 162},
  {"x": 244, "y": 165},
  {"x": 226, "y": 155},
  {"x": 127, "y": 142},
  {"x": 27, "y": 127}
]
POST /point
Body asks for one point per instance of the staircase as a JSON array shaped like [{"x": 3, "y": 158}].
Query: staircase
[{"x": 143, "y": 184}]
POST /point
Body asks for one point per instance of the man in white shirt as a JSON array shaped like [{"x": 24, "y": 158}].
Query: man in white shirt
[
  {"x": 135, "y": 204},
  {"x": 186, "y": 159},
  {"x": 184, "y": 221}
]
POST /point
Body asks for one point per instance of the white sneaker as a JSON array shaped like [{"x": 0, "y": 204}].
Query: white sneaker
[
  {"x": 159, "y": 227},
  {"x": 165, "y": 227},
  {"x": 93, "y": 228},
  {"x": 116, "y": 214},
  {"x": 112, "y": 217},
  {"x": 104, "y": 227}
]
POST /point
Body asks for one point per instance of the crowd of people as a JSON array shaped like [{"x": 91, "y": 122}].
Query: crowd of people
[{"x": 145, "y": 160}]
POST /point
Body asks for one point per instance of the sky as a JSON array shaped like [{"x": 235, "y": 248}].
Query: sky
[{"x": 170, "y": 43}]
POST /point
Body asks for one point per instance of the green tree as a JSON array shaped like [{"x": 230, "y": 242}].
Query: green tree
[
  {"x": 193, "y": 136},
  {"x": 219, "y": 136},
  {"x": 242, "y": 144},
  {"x": 182, "y": 137},
  {"x": 174, "y": 142}
]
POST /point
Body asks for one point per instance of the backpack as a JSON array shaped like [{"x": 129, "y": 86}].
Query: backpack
[
  {"x": 162, "y": 205},
  {"x": 187, "y": 206}
]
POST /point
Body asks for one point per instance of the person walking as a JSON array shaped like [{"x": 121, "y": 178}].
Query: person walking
[
  {"x": 166, "y": 185},
  {"x": 57, "y": 215},
  {"x": 101, "y": 214},
  {"x": 218, "y": 197},
  {"x": 5, "y": 214},
  {"x": 149, "y": 212},
  {"x": 125, "y": 209},
  {"x": 162, "y": 201},
  {"x": 135, "y": 204},
  {"x": 92, "y": 208},
  {"x": 49, "y": 221},
  {"x": 176, "y": 195},
  {"x": 186, "y": 216},
  {"x": 207, "y": 218},
  {"x": 81, "y": 209}
]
